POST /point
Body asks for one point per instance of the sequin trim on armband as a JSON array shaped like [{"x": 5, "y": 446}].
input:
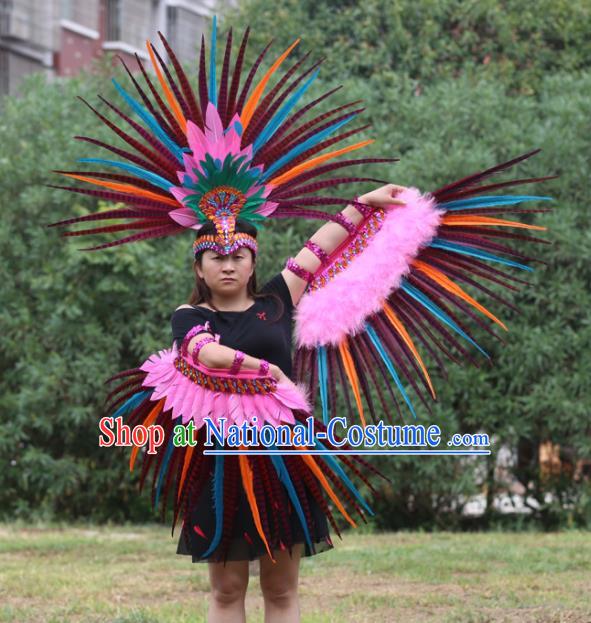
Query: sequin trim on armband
[
  {"x": 238, "y": 359},
  {"x": 363, "y": 208},
  {"x": 191, "y": 334},
  {"x": 264, "y": 368},
  {"x": 296, "y": 269},
  {"x": 341, "y": 219},
  {"x": 200, "y": 344},
  {"x": 318, "y": 251}
]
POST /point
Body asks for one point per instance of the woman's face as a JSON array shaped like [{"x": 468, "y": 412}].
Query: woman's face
[{"x": 226, "y": 273}]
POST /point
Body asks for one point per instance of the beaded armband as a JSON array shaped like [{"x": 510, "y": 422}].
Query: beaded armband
[
  {"x": 225, "y": 384},
  {"x": 318, "y": 251},
  {"x": 342, "y": 220},
  {"x": 193, "y": 331},
  {"x": 355, "y": 246},
  {"x": 238, "y": 359},
  {"x": 264, "y": 368},
  {"x": 296, "y": 269},
  {"x": 364, "y": 209},
  {"x": 200, "y": 344}
]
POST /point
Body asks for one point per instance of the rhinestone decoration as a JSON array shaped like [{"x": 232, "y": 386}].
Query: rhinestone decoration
[
  {"x": 296, "y": 269},
  {"x": 366, "y": 232},
  {"x": 223, "y": 384}
]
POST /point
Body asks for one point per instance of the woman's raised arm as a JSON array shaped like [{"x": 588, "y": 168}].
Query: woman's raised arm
[{"x": 331, "y": 235}]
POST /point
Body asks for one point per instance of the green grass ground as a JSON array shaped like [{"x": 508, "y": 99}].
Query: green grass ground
[{"x": 133, "y": 575}]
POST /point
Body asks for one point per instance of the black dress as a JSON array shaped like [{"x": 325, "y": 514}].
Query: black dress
[{"x": 259, "y": 331}]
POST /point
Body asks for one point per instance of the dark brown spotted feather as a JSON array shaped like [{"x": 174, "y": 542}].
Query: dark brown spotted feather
[
  {"x": 343, "y": 491},
  {"x": 170, "y": 130},
  {"x": 260, "y": 495},
  {"x": 293, "y": 465},
  {"x": 222, "y": 99},
  {"x": 193, "y": 112},
  {"x": 231, "y": 491},
  {"x": 174, "y": 130},
  {"x": 267, "y": 107},
  {"x": 371, "y": 367},
  {"x": 281, "y": 504},
  {"x": 311, "y": 482},
  {"x": 273, "y": 516},
  {"x": 172, "y": 83},
  {"x": 152, "y": 160},
  {"x": 159, "y": 153}
]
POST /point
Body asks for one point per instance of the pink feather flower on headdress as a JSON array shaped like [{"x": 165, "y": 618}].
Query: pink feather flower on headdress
[{"x": 216, "y": 153}]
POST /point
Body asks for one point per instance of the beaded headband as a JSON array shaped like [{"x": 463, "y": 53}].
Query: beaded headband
[{"x": 211, "y": 242}]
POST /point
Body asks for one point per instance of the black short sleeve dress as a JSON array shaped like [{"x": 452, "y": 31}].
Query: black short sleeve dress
[{"x": 264, "y": 331}]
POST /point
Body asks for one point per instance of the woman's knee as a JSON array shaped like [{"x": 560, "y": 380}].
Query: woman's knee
[
  {"x": 279, "y": 593},
  {"x": 228, "y": 585},
  {"x": 279, "y": 581}
]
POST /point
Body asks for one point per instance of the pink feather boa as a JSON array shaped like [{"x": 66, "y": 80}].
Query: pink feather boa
[{"x": 326, "y": 315}]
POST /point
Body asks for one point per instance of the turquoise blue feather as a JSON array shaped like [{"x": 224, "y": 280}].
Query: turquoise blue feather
[
  {"x": 281, "y": 114},
  {"x": 286, "y": 480},
  {"x": 212, "y": 78},
  {"x": 486, "y": 201},
  {"x": 296, "y": 151},
  {"x": 334, "y": 464},
  {"x": 323, "y": 382},
  {"x": 435, "y": 310},
  {"x": 148, "y": 118},
  {"x": 218, "y": 500},
  {"x": 464, "y": 249},
  {"x": 384, "y": 355},
  {"x": 153, "y": 178},
  {"x": 131, "y": 403}
]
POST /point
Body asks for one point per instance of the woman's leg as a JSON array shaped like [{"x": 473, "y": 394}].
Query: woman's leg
[
  {"x": 228, "y": 589},
  {"x": 279, "y": 585}
]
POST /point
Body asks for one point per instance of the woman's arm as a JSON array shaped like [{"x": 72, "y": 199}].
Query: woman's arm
[
  {"x": 331, "y": 235},
  {"x": 215, "y": 355}
]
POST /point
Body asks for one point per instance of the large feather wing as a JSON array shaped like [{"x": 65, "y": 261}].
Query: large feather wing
[{"x": 397, "y": 286}]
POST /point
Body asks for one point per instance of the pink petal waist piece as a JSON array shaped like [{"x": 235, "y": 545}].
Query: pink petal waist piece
[{"x": 191, "y": 401}]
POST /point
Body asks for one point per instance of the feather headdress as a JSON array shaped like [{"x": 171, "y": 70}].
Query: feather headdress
[{"x": 219, "y": 153}]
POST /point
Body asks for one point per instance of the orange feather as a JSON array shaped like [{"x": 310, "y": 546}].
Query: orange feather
[
  {"x": 188, "y": 455},
  {"x": 458, "y": 219},
  {"x": 445, "y": 282},
  {"x": 396, "y": 322},
  {"x": 308, "y": 164},
  {"x": 317, "y": 471},
  {"x": 350, "y": 370},
  {"x": 176, "y": 109},
  {"x": 125, "y": 188},
  {"x": 246, "y": 473},
  {"x": 151, "y": 417},
  {"x": 253, "y": 100}
]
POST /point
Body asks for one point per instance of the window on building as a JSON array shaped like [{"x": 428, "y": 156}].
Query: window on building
[
  {"x": 113, "y": 20},
  {"x": 4, "y": 73},
  {"x": 172, "y": 16},
  {"x": 67, "y": 11},
  {"x": 183, "y": 31}
]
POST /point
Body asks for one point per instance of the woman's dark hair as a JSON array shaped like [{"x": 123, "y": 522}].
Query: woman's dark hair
[{"x": 201, "y": 292}]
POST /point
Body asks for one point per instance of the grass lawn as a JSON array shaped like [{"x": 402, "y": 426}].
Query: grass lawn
[{"x": 133, "y": 575}]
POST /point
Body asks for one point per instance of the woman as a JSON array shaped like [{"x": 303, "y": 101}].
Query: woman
[
  {"x": 226, "y": 157},
  {"x": 258, "y": 324}
]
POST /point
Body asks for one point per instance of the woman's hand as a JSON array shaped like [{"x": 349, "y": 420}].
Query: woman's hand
[
  {"x": 277, "y": 373},
  {"x": 383, "y": 196}
]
